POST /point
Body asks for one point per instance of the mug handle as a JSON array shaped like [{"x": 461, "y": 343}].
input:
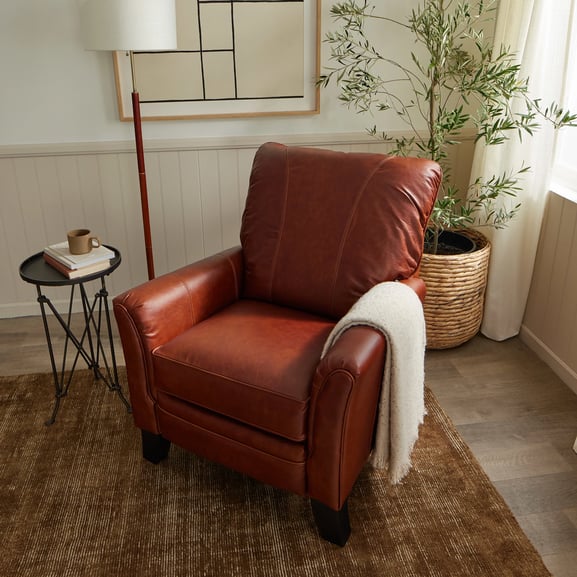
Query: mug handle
[{"x": 92, "y": 239}]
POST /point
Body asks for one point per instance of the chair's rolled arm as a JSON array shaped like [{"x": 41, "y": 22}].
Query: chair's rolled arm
[
  {"x": 418, "y": 285},
  {"x": 155, "y": 312},
  {"x": 344, "y": 403},
  {"x": 344, "y": 400}
]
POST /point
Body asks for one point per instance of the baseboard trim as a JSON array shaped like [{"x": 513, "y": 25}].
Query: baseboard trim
[
  {"x": 32, "y": 309},
  {"x": 560, "y": 367}
]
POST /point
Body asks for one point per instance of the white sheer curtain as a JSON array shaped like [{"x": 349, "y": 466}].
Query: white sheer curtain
[{"x": 538, "y": 32}]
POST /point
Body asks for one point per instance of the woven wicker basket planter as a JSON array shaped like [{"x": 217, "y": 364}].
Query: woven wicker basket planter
[{"x": 455, "y": 294}]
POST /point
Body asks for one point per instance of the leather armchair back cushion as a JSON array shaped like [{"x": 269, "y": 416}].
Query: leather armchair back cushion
[{"x": 320, "y": 227}]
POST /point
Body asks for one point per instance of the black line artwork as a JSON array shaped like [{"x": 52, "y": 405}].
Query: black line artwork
[
  {"x": 229, "y": 50},
  {"x": 234, "y": 58}
]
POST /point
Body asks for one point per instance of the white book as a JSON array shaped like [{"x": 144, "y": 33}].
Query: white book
[{"x": 62, "y": 254}]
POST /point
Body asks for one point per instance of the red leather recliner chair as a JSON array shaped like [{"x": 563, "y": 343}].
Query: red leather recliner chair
[{"x": 223, "y": 356}]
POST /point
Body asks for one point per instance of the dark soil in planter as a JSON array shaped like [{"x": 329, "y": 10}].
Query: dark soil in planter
[{"x": 452, "y": 243}]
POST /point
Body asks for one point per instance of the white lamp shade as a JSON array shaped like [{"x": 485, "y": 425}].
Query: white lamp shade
[{"x": 128, "y": 24}]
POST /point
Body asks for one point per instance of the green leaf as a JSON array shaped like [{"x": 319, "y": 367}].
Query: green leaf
[{"x": 456, "y": 81}]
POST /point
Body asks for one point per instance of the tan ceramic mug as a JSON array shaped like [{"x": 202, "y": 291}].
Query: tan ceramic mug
[{"x": 80, "y": 241}]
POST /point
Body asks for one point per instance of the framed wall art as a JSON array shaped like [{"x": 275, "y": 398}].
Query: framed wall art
[{"x": 234, "y": 58}]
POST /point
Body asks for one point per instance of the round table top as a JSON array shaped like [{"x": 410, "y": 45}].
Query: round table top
[{"x": 37, "y": 271}]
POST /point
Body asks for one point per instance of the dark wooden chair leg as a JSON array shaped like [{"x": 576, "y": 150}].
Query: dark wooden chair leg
[
  {"x": 333, "y": 525},
  {"x": 154, "y": 447}
]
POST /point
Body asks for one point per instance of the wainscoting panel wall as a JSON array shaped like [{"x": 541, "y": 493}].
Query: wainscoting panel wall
[
  {"x": 197, "y": 192},
  {"x": 550, "y": 323}
]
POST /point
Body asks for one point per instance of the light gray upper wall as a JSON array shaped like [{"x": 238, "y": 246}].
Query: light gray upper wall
[{"x": 53, "y": 91}]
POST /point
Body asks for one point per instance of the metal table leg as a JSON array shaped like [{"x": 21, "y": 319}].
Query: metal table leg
[{"x": 90, "y": 345}]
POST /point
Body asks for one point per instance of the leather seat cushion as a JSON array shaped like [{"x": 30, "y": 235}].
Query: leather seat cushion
[{"x": 253, "y": 362}]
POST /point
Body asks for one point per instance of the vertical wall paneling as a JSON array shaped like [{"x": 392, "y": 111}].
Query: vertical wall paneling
[
  {"x": 118, "y": 190},
  {"x": 28, "y": 190},
  {"x": 173, "y": 223},
  {"x": 568, "y": 344},
  {"x": 191, "y": 202},
  {"x": 210, "y": 201},
  {"x": 549, "y": 325},
  {"x": 73, "y": 204},
  {"x": 89, "y": 188},
  {"x": 229, "y": 197},
  {"x": 555, "y": 328},
  {"x": 197, "y": 192},
  {"x": 50, "y": 200},
  {"x": 131, "y": 237},
  {"x": 156, "y": 212},
  {"x": 536, "y": 312}
]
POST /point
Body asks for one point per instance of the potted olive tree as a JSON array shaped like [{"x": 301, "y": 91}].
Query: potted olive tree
[{"x": 453, "y": 84}]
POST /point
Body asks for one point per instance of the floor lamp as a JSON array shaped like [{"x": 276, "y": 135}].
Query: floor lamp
[{"x": 132, "y": 25}]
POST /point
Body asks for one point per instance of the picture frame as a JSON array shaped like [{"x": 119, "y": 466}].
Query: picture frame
[{"x": 235, "y": 58}]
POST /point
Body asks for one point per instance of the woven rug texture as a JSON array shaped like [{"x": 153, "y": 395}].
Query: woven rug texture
[{"x": 78, "y": 500}]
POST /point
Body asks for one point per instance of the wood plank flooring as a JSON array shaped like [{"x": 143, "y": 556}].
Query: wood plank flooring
[
  {"x": 520, "y": 420},
  {"x": 518, "y": 417}
]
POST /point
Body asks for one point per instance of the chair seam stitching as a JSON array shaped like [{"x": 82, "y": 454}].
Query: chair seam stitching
[
  {"x": 190, "y": 298},
  {"x": 228, "y": 378},
  {"x": 282, "y": 226},
  {"x": 235, "y": 277},
  {"x": 347, "y": 232},
  {"x": 237, "y": 442}
]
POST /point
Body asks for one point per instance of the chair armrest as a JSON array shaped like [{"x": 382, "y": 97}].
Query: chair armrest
[
  {"x": 418, "y": 285},
  {"x": 155, "y": 312},
  {"x": 344, "y": 402}
]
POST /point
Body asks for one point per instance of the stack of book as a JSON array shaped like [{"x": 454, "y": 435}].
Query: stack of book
[{"x": 71, "y": 265}]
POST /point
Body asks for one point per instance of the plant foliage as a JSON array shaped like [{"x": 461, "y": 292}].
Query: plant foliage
[{"x": 456, "y": 80}]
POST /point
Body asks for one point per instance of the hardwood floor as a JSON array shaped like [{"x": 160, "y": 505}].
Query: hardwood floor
[
  {"x": 520, "y": 420},
  {"x": 517, "y": 416}
]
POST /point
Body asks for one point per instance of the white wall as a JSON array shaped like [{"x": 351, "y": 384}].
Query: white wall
[{"x": 53, "y": 91}]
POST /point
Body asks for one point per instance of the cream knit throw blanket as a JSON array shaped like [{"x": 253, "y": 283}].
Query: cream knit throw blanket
[{"x": 395, "y": 310}]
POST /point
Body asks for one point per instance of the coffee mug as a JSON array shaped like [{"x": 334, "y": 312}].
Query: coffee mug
[{"x": 80, "y": 241}]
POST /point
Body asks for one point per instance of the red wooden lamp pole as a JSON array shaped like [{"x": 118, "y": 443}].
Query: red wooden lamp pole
[{"x": 142, "y": 183}]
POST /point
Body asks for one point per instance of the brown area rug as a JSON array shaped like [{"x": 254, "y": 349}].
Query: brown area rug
[{"x": 78, "y": 500}]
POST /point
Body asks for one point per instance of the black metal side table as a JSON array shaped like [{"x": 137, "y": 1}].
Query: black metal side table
[{"x": 89, "y": 345}]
